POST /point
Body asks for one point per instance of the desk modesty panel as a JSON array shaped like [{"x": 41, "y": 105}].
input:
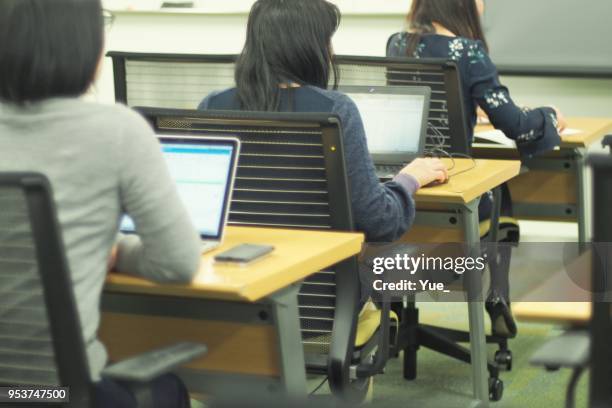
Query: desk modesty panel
[{"x": 246, "y": 315}]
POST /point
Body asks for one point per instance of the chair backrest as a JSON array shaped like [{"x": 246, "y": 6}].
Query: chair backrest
[
  {"x": 178, "y": 81},
  {"x": 601, "y": 321},
  {"x": 40, "y": 335},
  {"x": 607, "y": 142},
  {"x": 290, "y": 174},
  {"x": 447, "y": 128},
  {"x": 182, "y": 80}
]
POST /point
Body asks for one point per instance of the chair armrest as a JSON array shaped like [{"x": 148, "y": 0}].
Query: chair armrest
[
  {"x": 569, "y": 350},
  {"x": 377, "y": 366},
  {"x": 382, "y": 354},
  {"x": 147, "y": 366},
  {"x": 607, "y": 142}
]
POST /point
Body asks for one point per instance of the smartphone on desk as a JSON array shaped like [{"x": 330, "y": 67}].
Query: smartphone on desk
[{"x": 244, "y": 253}]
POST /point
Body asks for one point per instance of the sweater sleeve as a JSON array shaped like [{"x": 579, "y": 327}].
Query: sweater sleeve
[
  {"x": 384, "y": 212},
  {"x": 167, "y": 247},
  {"x": 534, "y": 130}
]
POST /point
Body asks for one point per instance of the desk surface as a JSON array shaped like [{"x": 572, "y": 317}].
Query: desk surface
[
  {"x": 592, "y": 129},
  {"x": 297, "y": 255},
  {"x": 572, "y": 313},
  {"x": 469, "y": 180},
  {"x": 564, "y": 298}
]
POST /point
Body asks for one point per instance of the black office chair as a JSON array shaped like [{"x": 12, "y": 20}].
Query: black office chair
[
  {"x": 581, "y": 349},
  {"x": 273, "y": 402},
  {"x": 569, "y": 350},
  {"x": 40, "y": 334},
  {"x": 177, "y": 81},
  {"x": 607, "y": 142},
  {"x": 291, "y": 174},
  {"x": 182, "y": 80},
  {"x": 447, "y": 134},
  {"x": 601, "y": 319},
  {"x": 447, "y": 130}
]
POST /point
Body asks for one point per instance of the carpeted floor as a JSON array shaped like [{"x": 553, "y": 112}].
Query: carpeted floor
[{"x": 445, "y": 383}]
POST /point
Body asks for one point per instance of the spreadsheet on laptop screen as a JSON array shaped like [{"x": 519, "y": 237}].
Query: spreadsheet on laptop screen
[{"x": 201, "y": 173}]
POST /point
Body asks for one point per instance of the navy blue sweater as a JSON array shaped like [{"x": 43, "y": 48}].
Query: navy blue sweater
[
  {"x": 534, "y": 130},
  {"x": 384, "y": 212}
]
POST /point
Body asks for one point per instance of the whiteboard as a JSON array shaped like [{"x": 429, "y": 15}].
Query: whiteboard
[{"x": 564, "y": 37}]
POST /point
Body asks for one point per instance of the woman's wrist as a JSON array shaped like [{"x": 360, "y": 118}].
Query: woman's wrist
[{"x": 408, "y": 181}]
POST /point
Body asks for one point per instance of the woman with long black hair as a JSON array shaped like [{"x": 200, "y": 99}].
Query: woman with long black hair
[
  {"x": 286, "y": 65},
  {"x": 452, "y": 29}
]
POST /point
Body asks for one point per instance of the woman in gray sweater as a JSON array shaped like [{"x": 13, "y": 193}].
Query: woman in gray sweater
[{"x": 102, "y": 162}]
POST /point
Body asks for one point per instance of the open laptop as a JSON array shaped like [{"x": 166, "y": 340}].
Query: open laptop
[
  {"x": 203, "y": 169},
  {"x": 395, "y": 121}
]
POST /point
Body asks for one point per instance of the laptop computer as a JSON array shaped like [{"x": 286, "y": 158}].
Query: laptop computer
[
  {"x": 203, "y": 169},
  {"x": 395, "y": 121}
]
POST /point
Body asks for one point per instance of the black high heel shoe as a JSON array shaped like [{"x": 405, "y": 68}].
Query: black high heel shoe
[{"x": 502, "y": 321}]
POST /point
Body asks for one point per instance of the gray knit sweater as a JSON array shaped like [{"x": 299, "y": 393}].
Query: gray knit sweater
[{"x": 102, "y": 161}]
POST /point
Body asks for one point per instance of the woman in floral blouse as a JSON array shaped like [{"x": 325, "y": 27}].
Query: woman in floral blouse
[{"x": 452, "y": 29}]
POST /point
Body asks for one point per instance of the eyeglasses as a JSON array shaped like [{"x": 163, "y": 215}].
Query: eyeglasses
[{"x": 108, "y": 18}]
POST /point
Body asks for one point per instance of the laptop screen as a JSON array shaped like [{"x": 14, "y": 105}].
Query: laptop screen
[
  {"x": 202, "y": 170},
  {"x": 393, "y": 118}
]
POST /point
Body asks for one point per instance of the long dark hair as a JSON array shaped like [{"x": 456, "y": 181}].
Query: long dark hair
[
  {"x": 288, "y": 41},
  {"x": 48, "y": 48},
  {"x": 458, "y": 16}
]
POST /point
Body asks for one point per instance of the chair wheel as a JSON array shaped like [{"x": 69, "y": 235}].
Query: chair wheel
[
  {"x": 359, "y": 391},
  {"x": 503, "y": 358},
  {"x": 496, "y": 389}
]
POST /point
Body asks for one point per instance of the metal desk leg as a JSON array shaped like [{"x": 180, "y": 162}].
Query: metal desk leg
[
  {"x": 473, "y": 283},
  {"x": 292, "y": 363},
  {"x": 582, "y": 199}
]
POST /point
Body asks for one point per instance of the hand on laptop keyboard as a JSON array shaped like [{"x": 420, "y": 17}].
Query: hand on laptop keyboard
[
  {"x": 427, "y": 171},
  {"x": 387, "y": 171}
]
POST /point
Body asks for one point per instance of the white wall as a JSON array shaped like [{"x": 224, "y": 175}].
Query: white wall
[{"x": 362, "y": 33}]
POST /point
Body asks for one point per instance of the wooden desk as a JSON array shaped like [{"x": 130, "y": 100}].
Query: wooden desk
[
  {"x": 449, "y": 213},
  {"x": 563, "y": 313},
  {"x": 469, "y": 179},
  {"x": 248, "y": 316},
  {"x": 593, "y": 129},
  {"x": 442, "y": 210},
  {"x": 556, "y": 187},
  {"x": 297, "y": 255},
  {"x": 564, "y": 298}
]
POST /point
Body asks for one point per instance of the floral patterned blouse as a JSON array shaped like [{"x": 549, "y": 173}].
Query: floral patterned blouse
[{"x": 534, "y": 130}]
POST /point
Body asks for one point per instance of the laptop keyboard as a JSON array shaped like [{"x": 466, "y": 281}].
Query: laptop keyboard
[
  {"x": 208, "y": 246},
  {"x": 388, "y": 171}
]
